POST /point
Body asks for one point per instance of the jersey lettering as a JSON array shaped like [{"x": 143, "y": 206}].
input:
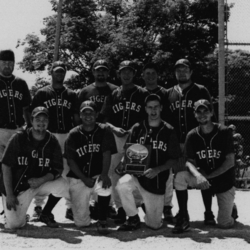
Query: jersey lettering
[
  {"x": 90, "y": 148},
  {"x": 156, "y": 145},
  {"x": 22, "y": 161},
  {"x": 98, "y": 98},
  {"x": 11, "y": 93},
  {"x": 43, "y": 162},
  {"x": 128, "y": 105},
  {"x": 59, "y": 102},
  {"x": 211, "y": 153},
  {"x": 183, "y": 104}
]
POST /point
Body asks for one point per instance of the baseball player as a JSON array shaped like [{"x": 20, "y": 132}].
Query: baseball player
[
  {"x": 182, "y": 98},
  {"x": 150, "y": 77},
  {"x": 14, "y": 99},
  {"x": 31, "y": 162},
  {"x": 98, "y": 90},
  {"x": 88, "y": 149},
  {"x": 61, "y": 103},
  {"x": 209, "y": 152},
  {"x": 165, "y": 151},
  {"x": 122, "y": 109}
]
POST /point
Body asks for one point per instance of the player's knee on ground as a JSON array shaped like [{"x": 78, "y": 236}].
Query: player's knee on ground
[
  {"x": 123, "y": 184},
  {"x": 12, "y": 223}
]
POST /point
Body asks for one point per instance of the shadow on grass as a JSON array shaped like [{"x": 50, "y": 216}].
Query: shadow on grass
[{"x": 68, "y": 232}]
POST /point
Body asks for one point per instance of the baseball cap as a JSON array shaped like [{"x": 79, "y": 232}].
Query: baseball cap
[
  {"x": 203, "y": 103},
  {"x": 126, "y": 64},
  {"x": 39, "y": 110},
  {"x": 88, "y": 105},
  {"x": 101, "y": 64},
  {"x": 7, "y": 55},
  {"x": 58, "y": 65},
  {"x": 184, "y": 62},
  {"x": 152, "y": 97}
]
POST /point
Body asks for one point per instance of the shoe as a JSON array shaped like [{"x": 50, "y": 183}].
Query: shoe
[
  {"x": 111, "y": 212},
  {"x": 48, "y": 220},
  {"x": 102, "y": 228},
  {"x": 69, "y": 214},
  {"x": 131, "y": 224},
  {"x": 235, "y": 212},
  {"x": 120, "y": 218},
  {"x": 182, "y": 225},
  {"x": 168, "y": 216},
  {"x": 177, "y": 216},
  {"x": 93, "y": 208},
  {"x": 209, "y": 218},
  {"x": 37, "y": 212}
]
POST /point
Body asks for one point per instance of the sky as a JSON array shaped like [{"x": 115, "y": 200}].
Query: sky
[{"x": 21, "y": 17}]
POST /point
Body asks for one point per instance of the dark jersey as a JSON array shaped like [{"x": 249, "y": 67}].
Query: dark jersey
[
  {"x": 125, "y": 108},
  {"x": 29, "y": 158},
  {"x": 14, "y": 96},
  {"x": 162, "y": 92},
  {"x": 96, "y": 94},
  {"x": 182, "y": 108},
  {"x": 87, "y": 148},
  {"x": 62, "y": 105},
  {"x": 209, "y": 152},
  {"x": 164, "y": 146}
]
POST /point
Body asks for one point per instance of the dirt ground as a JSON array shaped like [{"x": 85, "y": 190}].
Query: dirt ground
[{"x": 36, "y": 235}]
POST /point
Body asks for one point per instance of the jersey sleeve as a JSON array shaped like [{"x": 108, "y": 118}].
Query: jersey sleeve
[
  {"x": 106, "y": 111},
  {"x": 37, "y": 100},
  {"x": 174, "y": 150},
  {"x": 108, "y": 143},
  {"x": 57, "y": 163},
  {"x": 26, "y": 95},
  {"x": 189, "y": 152},
  {"x": 229, "y": 142},
  {"x": 70, "y": 148},
  {"x": 10, "y": 154},
  {"x": 76, "y": 105}
]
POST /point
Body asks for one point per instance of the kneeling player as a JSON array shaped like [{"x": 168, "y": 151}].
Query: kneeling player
[
  {"x": 164, "y": 153},
  {"x": 88, "y": 149},
  {"x": 31, "y": 162}
]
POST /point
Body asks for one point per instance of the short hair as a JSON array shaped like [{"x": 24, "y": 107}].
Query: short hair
[
  {"x": 152, "y": 97},
  {"x": 150, "y": 65}
]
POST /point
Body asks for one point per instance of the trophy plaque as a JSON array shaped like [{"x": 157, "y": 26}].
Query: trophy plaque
[{"x": 136, "y": 158}]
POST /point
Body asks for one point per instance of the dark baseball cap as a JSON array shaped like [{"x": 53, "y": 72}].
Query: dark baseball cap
[
  {"x": 184, "y": 62},
  {"x": 203, "y": 103},
  {"x": 7, "y": 55},
  {"x": 88, "y": 105},
  {"x": 59, "y": 65},
  {"x": 152, "y": 97},
  {"x": 126, "y": 64},
  {"x": 101, "y": 64},
  {"x": 40, "y": 110}
]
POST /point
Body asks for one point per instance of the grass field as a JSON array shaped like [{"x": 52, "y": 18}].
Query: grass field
[{"x": 36, "y": 235}]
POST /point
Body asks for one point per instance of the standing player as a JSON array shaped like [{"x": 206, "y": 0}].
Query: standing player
[
  {"x": 182, "y": 98},
  {"x": 31, "y": 161},
  {"x": 165, "y": 151},
  {"x": 122, "y": 109},
  {"x": 209, "y": 152},
  {"x": 88, "y": 150},
  {"x": 150, "y": 77},
  {"x": 63, "y": 111},
  {"x": 100, "y": 89},
  {"x": 14, "y": 99}
]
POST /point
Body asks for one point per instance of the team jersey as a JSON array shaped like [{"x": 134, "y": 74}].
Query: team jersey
[
  {"x": 96, "y": 94},
  {"x": 182, "y": 108},
  {"x": 162, "y": 92},
  {"x": 164, "y": 146},
  {"x": 209, "y": 152},
  {"x": 29, "y": 158},
  {"x": 14, "y": 96},
  {"x": 62, "y": 105},
  {"x": 86, "y": 148},
  {"x": 125, "y": 108}
]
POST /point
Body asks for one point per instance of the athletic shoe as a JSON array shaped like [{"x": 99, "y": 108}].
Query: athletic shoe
[
  {"x": 111, "y": 212},
  {"x": 102, "y": 228},
  {"x": 235, "y": 212},
  {"x": 168, "y": 216},
  {"x": 120, "y": 218},
  {"x": 131, "y": 224},
  {"x": 48, "y": 220},
  {"x": 69, "y": 214},
  {"x": 209, "y": 219},
  {"x": 37, "y": 212},
  {"x": 182, "y": 225}
]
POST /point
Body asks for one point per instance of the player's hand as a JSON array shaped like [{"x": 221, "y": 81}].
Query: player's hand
[
  {"x": 35, "y": 182},
  {"x": 120, "y": 132},
  {"x": 151, "y": 173},
  {"x": 11, "y": 202},
  {"x": 202, "y": 182},
  {"x": 89, "y": 182},
  {"x": 106, "y": 182}
]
